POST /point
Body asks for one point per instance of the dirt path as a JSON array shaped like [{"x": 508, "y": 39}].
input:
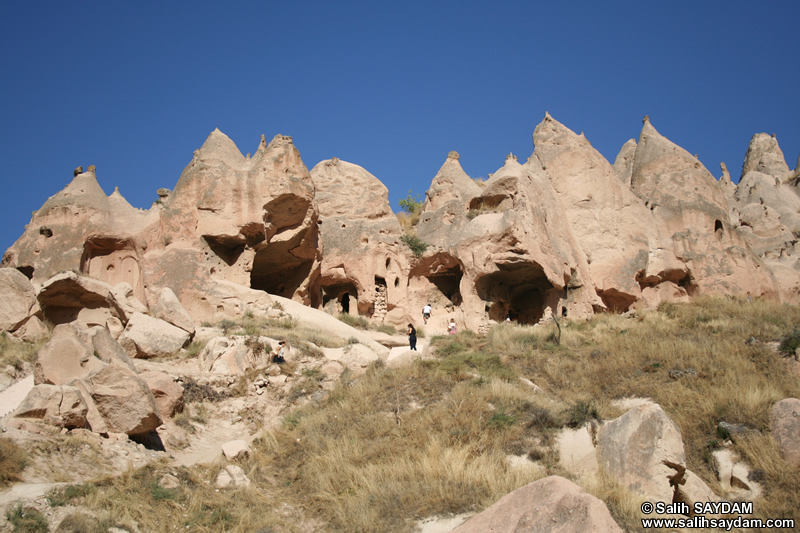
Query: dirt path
[{"x": 13, "y": 396}]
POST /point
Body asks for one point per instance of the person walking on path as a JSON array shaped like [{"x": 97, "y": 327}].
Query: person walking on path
[
  {"x": 426, "y": 313},
  {"x": 412, "y": 337}
]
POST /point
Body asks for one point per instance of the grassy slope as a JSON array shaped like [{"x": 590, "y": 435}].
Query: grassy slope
[{"x": 397, "y": 445}]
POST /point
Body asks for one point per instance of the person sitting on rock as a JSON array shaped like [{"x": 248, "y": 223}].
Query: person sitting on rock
[{"x": 279, "y": 355}]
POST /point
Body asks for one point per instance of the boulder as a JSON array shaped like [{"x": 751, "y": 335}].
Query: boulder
[
  {"x": 236, "y": 449},
  {"x": 169, "y": 309},
  {"x": 232, "y": 476},
  {"x": 550, "y": 504},
  {"x": 785, "y": 425},
  {"x": 33, "y": 330},
  {"x": 67, "y": 356},
  {"x": 107, "y": 349},
  {"x": 145, "y": 337},
  {"x": 124, "y": 303},
  {"x": 123, "y": 400},
  {"x": 576, "y": 452},
  {"x": 227, "y": 355},
  {"x": 356, "y": 357},
  {"x": 58, "y": 405},
  {"x": 634, "y": 447},
  {"x": 67, "y": 294},
  {"x": 168, "y": 393},
  {"x": 17, "y": 299}
]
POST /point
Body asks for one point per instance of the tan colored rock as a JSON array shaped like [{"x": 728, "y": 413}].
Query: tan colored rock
[
  {"x": 785, "y": 426},
  {"x": 364, "y": 263},
  {"x": 67, "y": 294},
  {"x": 227, "y": 355},
  {"x": 33, "y": 330},
  {"x": 123, "y": 400},
  {"x": 17, "y": 299},
  {"x": 450, "y": 184},
  {"x": 236, "y": 449},
  {"x": 124, "y": 303},
  {"x": 145, "y": 337},
  {"x": 623, "y": 243},
  {"x": 106, "y": 348},
  {"x": 623, "y": 164},
  {"x": 58, "y": 405},
  {"x": 688, "y": 204},
  {"x": 67, "y": 356},
  {"x": 168, "y": 393},
  {"x": 115, "y": 327},
  {"x": 632, "y": 449},
  {"x": 734, "y": 476},
  {"x": 765, "y": 156},
  {"x": 169, "y": 309},
  {"x": 356, "y": 357},
  {"x": 232, "y": 476},
  {"x": 550, "y": 504}
]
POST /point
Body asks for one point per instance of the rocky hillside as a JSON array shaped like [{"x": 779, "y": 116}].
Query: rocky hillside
[{"x": 644, "y": 293}]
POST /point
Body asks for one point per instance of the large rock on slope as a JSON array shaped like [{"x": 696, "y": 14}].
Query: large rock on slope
[
  {"x": 785, "y": 425},
  {"x": 145, "y": 337},
  {"x": 17, "y": 299},
  {"x": 58, "y": 405},
  {"x": 633, "y": 448},
  {"x": 765, "y": 156},
  {"x": 550, "y": 504}
]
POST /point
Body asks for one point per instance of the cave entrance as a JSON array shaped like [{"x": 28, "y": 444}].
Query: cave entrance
[
  {"x": 277, "y": 271},
  {"x": 520, "y": 291},
  {"x": 341, "y": 297},
  {"x": 448, "y": 282}
]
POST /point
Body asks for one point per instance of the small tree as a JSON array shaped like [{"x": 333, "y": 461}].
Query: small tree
[{"x": 410, "y": 204}]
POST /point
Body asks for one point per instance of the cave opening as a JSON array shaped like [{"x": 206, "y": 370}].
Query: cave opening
[
  {"x": 520, "y": 291},
  {"x": 343, "y": 294},
  {"x": 448, "y": 283}
]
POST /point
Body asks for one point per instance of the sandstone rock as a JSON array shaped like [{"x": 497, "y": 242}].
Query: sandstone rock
[
  {"x": 146, "y": 337},
  {"x": 107, "y": 349},
  {"x": 227, "y": 355},
  {"x": 66, "y": 294},
  {"x": 169, "y": 309},
  {"x": 124, "y": 303},
  {"x": 123, "y": 400},
  {"x": 764, "y": 155},
  {"x": 734, "y": 476},
  {"x": 58, "y": 405},
  {"x": 633, "y": 448},
  {"x": 168, "y": 393},
  {"x": 33, "y": 330},
  {"x": 232, "y": 476},
  {"x": 364, "y": 263},
  {"x": 785, "y": 425},
  {"x": 356, "y": 357},
  {"x": 550, "y": 504},
  {"x": 236, "y": 449},
  {"x": 17, "y": 299},
  {"x": 623, "y": 164},
  {"x": 115, "y": 327},
  {"x": 688, "y": 205},
  {"x": 168, "y": 481},
  {"x": 67, "y": 356}
]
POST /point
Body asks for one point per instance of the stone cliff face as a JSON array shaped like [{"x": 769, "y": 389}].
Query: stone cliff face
[{"x": 566, "y": 233}]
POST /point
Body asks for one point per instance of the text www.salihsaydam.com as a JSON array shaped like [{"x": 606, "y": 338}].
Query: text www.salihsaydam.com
[{"x": 716, "y": 523}]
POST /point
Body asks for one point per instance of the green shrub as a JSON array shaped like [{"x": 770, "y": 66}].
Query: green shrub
[
  {"x": 580, "y": 413},
  {"x": 27, "y": 520},
  {"x": 415, "y": 244},
  {"x": 354, "y": 321},
  {"x": 60, "y": 496},
  {"x": 790, "y": 342}
]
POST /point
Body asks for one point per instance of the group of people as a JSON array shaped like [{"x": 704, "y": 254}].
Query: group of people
[{"x": 426, "y": 314}]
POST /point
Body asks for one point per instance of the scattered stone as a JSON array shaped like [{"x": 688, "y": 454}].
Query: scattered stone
[
  {"x": 785, "y": 425},
  {"x": 554, "y": 501},
  {"x": 232, "y": 476},
  {"x": 145, "y": 337},
  {"x": 236, "y": 449}
]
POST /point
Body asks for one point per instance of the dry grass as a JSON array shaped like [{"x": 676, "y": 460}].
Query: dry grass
[
  {"x": 12, "y": 461},
  {"x": 15, "y": 352},
  {"x": 397, "y": 445}
]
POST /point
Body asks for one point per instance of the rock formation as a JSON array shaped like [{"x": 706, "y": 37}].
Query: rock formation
[{"x": 565, "y": 233}]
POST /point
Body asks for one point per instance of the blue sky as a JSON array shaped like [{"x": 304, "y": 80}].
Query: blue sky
[{"x": 135, "y": 87}]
